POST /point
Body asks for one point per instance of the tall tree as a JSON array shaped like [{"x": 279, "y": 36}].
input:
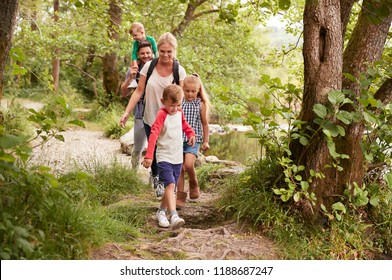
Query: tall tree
[
  {"x": 8, "y": 14},
  {"x": 56, "y": 59},
  {"x": 325, "y": 62},
  {"x": 34, "y": 27},
  {"x": 111, "y": 79}
]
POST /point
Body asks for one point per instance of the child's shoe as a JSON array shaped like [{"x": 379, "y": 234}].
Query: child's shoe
[
  {"x": 133, "y": 84},
  {"x": 181, "y": 199},
  {"x": 162, "y": 219},
  {"x": 176, "y": 222},
  {"x": 154, "y": 180},
  {"x": 160, "y": 189}
]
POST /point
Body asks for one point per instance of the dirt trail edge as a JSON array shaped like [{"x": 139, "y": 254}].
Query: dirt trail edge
[{"x": 205, "y": 235}]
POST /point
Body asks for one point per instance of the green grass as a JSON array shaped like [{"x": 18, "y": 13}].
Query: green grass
[{"x": 107, "y": 119}]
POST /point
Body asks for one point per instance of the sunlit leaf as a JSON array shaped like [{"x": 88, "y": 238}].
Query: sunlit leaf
[
  {"x": 8, "y": 141},
  {"x": 320, "y": 110},
  {"x": 284, "y": 4},
  {"x": 336, "y": 97}
]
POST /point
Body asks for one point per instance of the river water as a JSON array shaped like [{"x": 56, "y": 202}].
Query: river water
[{"x": 234, "y": 145}]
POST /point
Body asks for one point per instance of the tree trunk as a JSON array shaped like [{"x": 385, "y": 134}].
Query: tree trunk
[
  {"x": 8, "y": 12},
  {"x": 322, "y": 52},
  {"x": 324, "y": 62},
  {"x": 111, "y": 78},
  {"x": 56, "y": 54},
  {"x": 366, "y": 46},
  {"x": 34, "y": 27}
]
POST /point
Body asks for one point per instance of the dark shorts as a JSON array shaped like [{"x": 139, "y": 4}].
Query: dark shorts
[
  {"x": 191, "y": 150},
  {"x": 169, "y": 173}
]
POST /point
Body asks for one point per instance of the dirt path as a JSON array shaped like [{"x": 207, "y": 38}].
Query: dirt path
[{"x": 206, "y": 235}]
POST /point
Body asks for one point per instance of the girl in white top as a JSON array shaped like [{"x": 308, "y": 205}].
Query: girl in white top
[{"x": 160, "y": 78}]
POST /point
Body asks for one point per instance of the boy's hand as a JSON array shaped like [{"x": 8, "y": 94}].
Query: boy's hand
[
  {"x": 134, "y": 70},
  {"x": 192, "y": 141},
  {"x": 205, "y": 146},
  {"x": 147, "y": 162}
]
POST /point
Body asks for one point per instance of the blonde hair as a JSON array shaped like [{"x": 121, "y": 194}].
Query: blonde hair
[
  {"x": 172, "y": 92},
  {"x": 168, "y": 38},
  {"x": 136, "y": 26},
  {"x": 201, "y": 93}
]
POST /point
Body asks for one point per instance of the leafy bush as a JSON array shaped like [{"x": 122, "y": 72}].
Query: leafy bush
[
  {"x": 108, "y": 117},
  {"x": 48, "y": 217}
]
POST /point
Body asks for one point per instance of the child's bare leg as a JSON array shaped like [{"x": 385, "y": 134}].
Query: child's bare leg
[
  {"x": 189, "y": 167},
  {"x": 168, "y": 200},
  {"x": 181, "y": 194},
  {"x": 181, "y": 181},
  {"x": 134, "y": 66}
]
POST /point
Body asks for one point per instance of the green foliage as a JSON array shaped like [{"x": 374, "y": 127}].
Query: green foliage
[
  {"x": 13, "y": 118},
  {"x": 352, "y": 234},
  {"x": 204, "y": 173},
  {"x": 249, "y": 197},
  {"x": 111, "y": 182},
  {"x": 297, "y": 187},
  {"x": 108, "y": 117},
  {"x": 48, "y": 217},
  {"x": 36, "y": 213}
]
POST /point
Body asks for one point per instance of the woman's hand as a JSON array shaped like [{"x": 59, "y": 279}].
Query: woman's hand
[{"x": 123, "y": 120}]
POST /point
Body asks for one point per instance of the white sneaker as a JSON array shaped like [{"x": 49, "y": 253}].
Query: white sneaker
[
  {"x": 133, "y": 84},
  {"x": 160, "y": 189},
  {"x": 155, "y": 180},
  {"x": 162, "y": 219},
  {"x": 176, "y": 222}
]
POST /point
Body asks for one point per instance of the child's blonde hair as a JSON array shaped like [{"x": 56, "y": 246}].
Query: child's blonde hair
[
  {"x": 136, "y": 26},
  {"x": 172, "y": 92},
  {"x": 201, "y": 93}
]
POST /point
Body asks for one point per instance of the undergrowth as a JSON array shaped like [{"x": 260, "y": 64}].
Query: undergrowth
[
  {"x": 361, "y": 234},
  {"x": 47, "y": 216}
]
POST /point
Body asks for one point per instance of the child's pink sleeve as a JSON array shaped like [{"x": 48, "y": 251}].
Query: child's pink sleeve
[{"x": 154, "y": 134}]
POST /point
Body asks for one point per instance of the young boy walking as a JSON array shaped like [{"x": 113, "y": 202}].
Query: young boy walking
[{"x": 166, "y": 134}]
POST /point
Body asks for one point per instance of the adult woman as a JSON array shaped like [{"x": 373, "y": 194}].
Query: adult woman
[{"x": 161, "y": 77}]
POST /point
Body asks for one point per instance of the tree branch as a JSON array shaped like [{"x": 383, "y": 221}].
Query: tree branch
[
  {"x": 205, "y": 13},
  {"x": 190, "y": 16},
  {"x": 384, "y": 93}
]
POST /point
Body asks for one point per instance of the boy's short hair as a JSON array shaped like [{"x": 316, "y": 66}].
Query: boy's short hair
[
  {"x": 143, "y": 44},
  {"x": 173, "y": 92},
  {"x": 136, "y": 26}
]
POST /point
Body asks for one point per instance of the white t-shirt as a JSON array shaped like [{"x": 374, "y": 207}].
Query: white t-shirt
[
  {"x": 166, "y": 135},
  {"x": 154, "y": 91}
]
